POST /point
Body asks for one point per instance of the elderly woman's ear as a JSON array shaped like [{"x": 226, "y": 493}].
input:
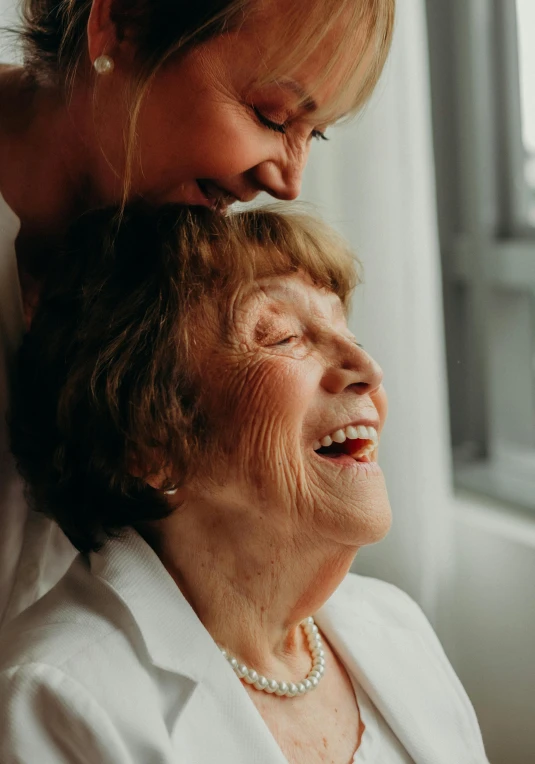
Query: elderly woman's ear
[
  {"x": 162, "y": 482},
  {"x": 159, "y": 478}
]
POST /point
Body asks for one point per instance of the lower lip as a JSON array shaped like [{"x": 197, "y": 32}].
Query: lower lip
[
  {"x": 203, "y": 199},
  {"x": 189, "y": 195},
  {"x": 213, "y": 203},
  {"x": 347, "y": 462}
]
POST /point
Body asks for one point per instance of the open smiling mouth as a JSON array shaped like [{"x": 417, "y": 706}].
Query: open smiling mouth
[{"x": 358, "y": 442}]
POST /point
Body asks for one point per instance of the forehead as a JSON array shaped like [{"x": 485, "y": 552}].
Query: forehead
[
  {"x": 293, "y": 293},
  {"x": 297, "y": 52}
]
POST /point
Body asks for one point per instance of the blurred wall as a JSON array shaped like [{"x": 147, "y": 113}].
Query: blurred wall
[
  {"x": 8, "y": 18},
  {"x": 492, "y": 634}
]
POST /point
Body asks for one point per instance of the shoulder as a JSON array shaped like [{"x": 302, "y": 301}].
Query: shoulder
[
  {"x": 9, "y": 222},
  {"x": 76, "y": 621},
  {"x": 11, "y": 312},
  {"x": 383, "y": 603},
  {"x": 75, "y": 683},
  {"x": 361, "y": 598},
  {"x": 46, "y": 715},
  {"x": 384, "y": 600},
  {"x": 9, "y": 281}
]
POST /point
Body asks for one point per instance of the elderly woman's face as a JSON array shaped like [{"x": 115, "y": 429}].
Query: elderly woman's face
[{"x": 289, "y": 377}]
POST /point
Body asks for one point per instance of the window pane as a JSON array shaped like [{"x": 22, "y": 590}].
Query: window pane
[{"x": 526, "y": 51}]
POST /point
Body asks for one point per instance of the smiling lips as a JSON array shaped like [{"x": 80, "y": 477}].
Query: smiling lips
[
  {"x": 358, "y": 441},
  {"x": 219, "y": 198}
]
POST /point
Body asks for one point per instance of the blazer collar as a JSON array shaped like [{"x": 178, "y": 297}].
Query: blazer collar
[
  {"x": 404, "y": 679},
  {"x": 395, "y": 666},
  {"x": 218, "y": 721},
  {"x": 174, "y": 636}
]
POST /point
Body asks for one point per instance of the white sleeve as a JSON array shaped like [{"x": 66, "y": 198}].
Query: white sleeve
[
  {"x": 13, "y": 509},
  {"x": 48, "y": 717},
  {"x": 34, "y": 553}
]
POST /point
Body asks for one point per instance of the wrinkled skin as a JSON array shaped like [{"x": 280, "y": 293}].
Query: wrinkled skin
[
  {"x": 290, "y": 373},
  {"x": 204, "y": 118},
  {"x": 266, "y": 531}
]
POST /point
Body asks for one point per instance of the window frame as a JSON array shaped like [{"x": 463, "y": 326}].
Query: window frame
[{"x": 487, "y": 246}]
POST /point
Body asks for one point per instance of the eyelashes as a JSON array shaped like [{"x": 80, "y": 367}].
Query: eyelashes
[
  {"x": 281, "y": 127},
  {"x": 286, "y": 340},
  {"x": 276, "y": 126}
]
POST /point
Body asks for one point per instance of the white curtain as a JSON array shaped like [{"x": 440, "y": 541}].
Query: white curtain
[
  {"x": 9, "y": 17},
  {"x": 374, "y": 180}
]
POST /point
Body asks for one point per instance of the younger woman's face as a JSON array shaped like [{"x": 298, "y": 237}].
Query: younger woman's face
[{"x": 207, "y": 135}]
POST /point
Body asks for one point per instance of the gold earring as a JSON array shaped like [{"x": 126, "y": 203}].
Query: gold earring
[{"x": 104, "y": 65}]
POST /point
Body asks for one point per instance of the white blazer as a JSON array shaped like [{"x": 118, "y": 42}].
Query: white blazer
[{"x": 113, "y": 667}]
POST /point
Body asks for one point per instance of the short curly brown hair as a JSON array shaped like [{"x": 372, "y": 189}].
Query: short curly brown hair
[{"x": 106, "y": 376}]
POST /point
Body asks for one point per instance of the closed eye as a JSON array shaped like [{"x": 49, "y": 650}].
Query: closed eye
[
  {"x": 287, "y": 340},
  {"x": 281, "y": 127}
]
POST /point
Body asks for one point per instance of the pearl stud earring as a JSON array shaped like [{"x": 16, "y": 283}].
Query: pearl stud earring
[
  {"x": 104, "y": 65},
  {"x": 171, "y": 491}
]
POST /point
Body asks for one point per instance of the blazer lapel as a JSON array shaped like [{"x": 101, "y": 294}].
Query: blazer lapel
[
  {"x": 220, "y": 723},
  {"x": 209, "y": 715},
  {"x": 215, "y": 720},
  {"x": 405, "y": 681}
]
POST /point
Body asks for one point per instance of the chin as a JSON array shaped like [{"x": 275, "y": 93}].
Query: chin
[
  {"x": 378, "y": 523},
  {"x": 361, "y": 523}
]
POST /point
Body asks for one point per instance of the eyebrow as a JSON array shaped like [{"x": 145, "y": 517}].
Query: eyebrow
[
  {"x": 280, "y": 291},
  {"x": 308, "y": 103},
  {"x": 290, "y": 295}
]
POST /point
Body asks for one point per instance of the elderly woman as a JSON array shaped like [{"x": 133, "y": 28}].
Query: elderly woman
[
  {"x": 201, "y": 103},
  {"x": 192, "y": 410}
]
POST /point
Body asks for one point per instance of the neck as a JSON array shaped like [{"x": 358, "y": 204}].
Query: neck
[
  {"x": 45, "y": 156},
  {"x": 250, "y": 584}
]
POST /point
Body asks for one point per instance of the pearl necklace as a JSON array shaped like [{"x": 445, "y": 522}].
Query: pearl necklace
[{"x": 287, "y": 689}]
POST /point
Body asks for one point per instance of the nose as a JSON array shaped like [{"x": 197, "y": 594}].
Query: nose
[
  {"x": 351, "y": 367},
  {"x": 282, "y": 177}
]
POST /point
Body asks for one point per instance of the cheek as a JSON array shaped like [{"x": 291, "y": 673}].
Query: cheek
[
  {"x": 227, "y": 143},
  {"x": 205, "y": 134},
  {"x": 270, "y": 400},
  {"x": 262, "y": 410}
]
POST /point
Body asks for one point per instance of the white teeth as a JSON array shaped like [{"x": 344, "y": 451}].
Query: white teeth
[
  {"x": 363, "y": 432},
  {"x": 360, "y": 432},
  {"x": 339, "y": 436}
]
